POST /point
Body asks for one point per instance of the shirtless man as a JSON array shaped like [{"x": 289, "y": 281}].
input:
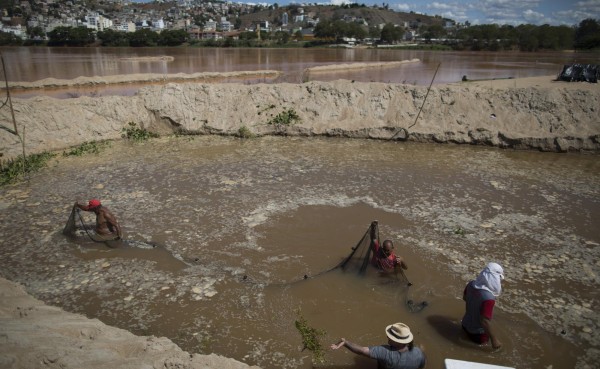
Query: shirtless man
[
  {"x": 384, "y": 257},
  {"x": 106, "y": 222}
]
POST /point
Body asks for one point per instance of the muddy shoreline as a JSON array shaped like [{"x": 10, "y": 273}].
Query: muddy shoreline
[{"x": 525, "y": 114}]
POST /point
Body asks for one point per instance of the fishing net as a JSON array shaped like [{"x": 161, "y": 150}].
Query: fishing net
[
  {"x": 360, "y": 257},
  {"x": 359, "y": 262},
  {"x": 71, "y": 225},
  {"x": 76, "y": 224}
]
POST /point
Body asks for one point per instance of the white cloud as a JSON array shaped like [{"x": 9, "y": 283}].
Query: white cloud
[
  {"x": 533, "y": 17},
  {"x": 572, "y": 17},
  {"x": 454, "y": 16},
  {"x": 403, "y": 7},
  {"x": 440, "y": 6}
]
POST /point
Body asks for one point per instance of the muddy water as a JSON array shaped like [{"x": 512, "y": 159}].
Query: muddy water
[
  {"x": 237, "y": 225},
  {"x": 36, "y": 63}
]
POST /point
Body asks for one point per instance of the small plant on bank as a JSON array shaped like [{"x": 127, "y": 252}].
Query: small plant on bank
[
  {"x": 460, "y": 231},
  {"x": 137, "y": 134},
  {"x": 11, "y": 170},
  {"x": 272, "y": 106},
  {"x": 310, "y": 338},
  {"x": 286, "y": 118},
  {"x": 245, "y": 132},
  {"x": 92, "y": 147}
]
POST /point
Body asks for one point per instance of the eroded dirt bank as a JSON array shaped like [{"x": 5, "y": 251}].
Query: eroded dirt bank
[
  {"x": 36, "y": 335},
  {"x": 534, "y": 113}
]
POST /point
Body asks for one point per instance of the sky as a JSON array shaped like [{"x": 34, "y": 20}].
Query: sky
[{"x": 512, "y": 12}]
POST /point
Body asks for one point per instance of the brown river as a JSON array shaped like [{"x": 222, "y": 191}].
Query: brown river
[
  {"x": 237, "y": 224},
  {"x": 30, "y": 64}
]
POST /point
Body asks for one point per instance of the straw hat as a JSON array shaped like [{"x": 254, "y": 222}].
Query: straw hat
[{"x": 399, "y": 332}]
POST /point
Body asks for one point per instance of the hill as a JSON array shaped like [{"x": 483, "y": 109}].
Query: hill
[{"x": 373, "y": 16}]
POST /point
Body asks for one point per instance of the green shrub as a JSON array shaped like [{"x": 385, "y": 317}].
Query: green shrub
[
  {"x": 310, "y": 338},
  {"x": 287, "y": 117},
  {"x": 245, "y": 132},
  {"x": 13, "y": 169},
  {"x": 92, "y": 147},
  {"x": 137, "y": 134}
]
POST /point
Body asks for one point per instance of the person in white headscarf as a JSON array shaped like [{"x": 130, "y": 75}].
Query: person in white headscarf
[{"x": 480, "y": 296}]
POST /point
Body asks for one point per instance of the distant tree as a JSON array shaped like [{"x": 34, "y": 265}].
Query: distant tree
[
  {"x": 528, "y": 40},
  {"x": 325, "y": 29},
  {"x": 172, "y": 37},
  {"x": 71, "y": 36},
  {"x": 374, "y": 32},
  {"x": 390, "y": 33},
  {"x": 548, "y": 37},
  {"x": 229, "y": 42},
  {"x": 355, "y": 30},
  {"x": 36, "y": 32},
  {"x": 281, "y": 37},
  {"x": 509, "y": 37},
  {"x": 9, "y": 39},
  {"x": 587, "y": 34},
  {"x": 433, "y": 31},
  {"x": 566, "y": 37},
  {"x": 247, "y": 35},
  {"x": 143, "y": 37},
  {"x": 298, "y": 35},
  {"x": 238, "y": 23},
  {"x": 111, "y": 37}
]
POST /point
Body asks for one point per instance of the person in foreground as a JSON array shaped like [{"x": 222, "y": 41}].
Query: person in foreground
[
  {"x": 106, "y": 222},
  {"x": 384, "y": 258},
  {"x": 480, "y": 296},
  {"x": 399, "y": 353}
]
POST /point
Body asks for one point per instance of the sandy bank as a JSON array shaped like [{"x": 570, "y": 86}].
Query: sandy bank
[
  {"x": 149, "y": 59},
  {"x": 35, "y": 335},
  {"x": 337, "y": 67},
  {"x": 537, "y": 114},
  {"x": 140, "y": 78}
]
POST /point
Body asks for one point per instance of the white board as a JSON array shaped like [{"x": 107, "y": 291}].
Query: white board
[{"x": 460, "y": 364}]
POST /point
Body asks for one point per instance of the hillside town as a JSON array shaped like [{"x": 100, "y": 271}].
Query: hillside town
[{"x": 202, "y": 20}]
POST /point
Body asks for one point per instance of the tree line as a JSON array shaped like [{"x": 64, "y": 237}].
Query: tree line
[{"x": 492, "y": 37}]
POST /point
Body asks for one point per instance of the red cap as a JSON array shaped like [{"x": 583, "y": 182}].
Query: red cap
[{"x": 93, "y": 203}]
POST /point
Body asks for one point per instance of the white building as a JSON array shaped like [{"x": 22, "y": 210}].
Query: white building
[
  {"x": 158, "y": 24},
  {"x": 124, "y": 27},
  {"x": 210, "y": 25},
  {"x": 225, "y": 25},
  {"x": 15, "y": 30},
  {"x": 97, "y": 21}
]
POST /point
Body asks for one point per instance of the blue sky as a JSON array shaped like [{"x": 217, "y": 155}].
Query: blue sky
[{"x": 514, "y": 12}]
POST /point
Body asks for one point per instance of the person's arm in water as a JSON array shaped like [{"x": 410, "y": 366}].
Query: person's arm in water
[
  {"x": 373, "y": 232},
  {"x": 357, "y": 349},
  {"x": 487, "y": 327},
  {"x": 485, "y": 315},
  {"x": 400, "y": 262}
]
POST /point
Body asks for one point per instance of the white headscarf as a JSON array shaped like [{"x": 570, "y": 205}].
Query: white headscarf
[{"x": 489, "y": 279}]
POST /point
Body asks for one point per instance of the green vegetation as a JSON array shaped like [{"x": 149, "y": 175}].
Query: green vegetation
[
  {"x": 137, "y": 134},
  {"x": 12, "y": 170},
  {"x": 245, "y": 132},
  {"x": 460, "y": 231},
  {"x": 71, "y": 36},
  {"x": 287, "y": 118},
  {"x": 92, "y": 147},
  {"x": 310, "y": 338}
]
